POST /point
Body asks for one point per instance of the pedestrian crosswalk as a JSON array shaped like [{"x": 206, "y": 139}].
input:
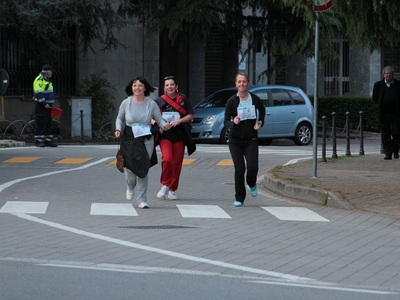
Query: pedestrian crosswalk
[{"x": 300, "y": 214}]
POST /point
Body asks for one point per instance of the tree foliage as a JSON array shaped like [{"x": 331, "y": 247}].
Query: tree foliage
[
  {"x": 371, "y": 23},
  {"x": 101, "y": 92},
  {"x": 281, "y": 27},
  {"x": 278, "y": 27},
  {"x": 43, "y": 26}
]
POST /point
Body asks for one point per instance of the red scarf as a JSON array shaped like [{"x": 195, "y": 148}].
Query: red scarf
[{"x": 176, "y": 105}]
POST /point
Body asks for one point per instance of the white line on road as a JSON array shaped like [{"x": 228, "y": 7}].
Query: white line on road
[
  {"x": 25, "y": 207},
  {"x": 164, "y": 252},
  {"x": 113, "y": 209},
  {"x": 294, "y": 214},
  {"x": 10, "y": 183}
]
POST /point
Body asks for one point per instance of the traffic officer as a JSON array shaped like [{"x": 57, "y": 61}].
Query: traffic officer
[{"x": 44, "y": 99}]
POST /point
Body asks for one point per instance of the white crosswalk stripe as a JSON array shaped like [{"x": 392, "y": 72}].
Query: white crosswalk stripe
[
  {"x": 203, "y": 211},
  {"x": 113, "y": 209},
  {"x": 295, "y": 214},
  {"x": 24, "y": 207},
  {"x": 187, "y": 211}
]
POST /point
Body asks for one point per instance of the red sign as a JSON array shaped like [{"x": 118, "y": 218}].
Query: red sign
[{"x": 320, "y": 5}]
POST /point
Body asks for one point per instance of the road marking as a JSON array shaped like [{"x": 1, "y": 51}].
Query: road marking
[
  {"x": 73, "y": 161},
  {"x": 21, "y": 160},
  {"x": 186, "y": 211},
  {"x": 225, "y": 162},
  {"x": 164, "y": 252},
  {"x": 24, "y": 207},
  {"x": 113, "y": 162},
  {"x": 295, "y": 214},
  {"x": 188, "y": 161},
  {"x": 113, "y": 209},
  {"x": 202, "y": 211},
  {"x": 10, "y": 183}
]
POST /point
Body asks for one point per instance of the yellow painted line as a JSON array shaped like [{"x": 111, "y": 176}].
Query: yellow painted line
[
  {"x": 225, "y": 162},
  {"x": 188, "y": 161},
  {"x": 113, "y": 162},
  {"x": 21, "y": 160},
  {"x": 72, "y": 161}
]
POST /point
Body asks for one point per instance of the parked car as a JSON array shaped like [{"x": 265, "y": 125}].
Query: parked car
[{"x": 289, "y": 114}]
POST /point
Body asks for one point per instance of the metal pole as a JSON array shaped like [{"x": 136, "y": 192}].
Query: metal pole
[
  {"x": 348, "y": 153},
  {"x": 3, "y": 112},
  {"x": 82, "y": 139},
  {"x": 315, "y": 128},
  {"x": 323, "y": 158},
  {"x": 334, "y": 150},
  {"x": 361, "y": 134}
]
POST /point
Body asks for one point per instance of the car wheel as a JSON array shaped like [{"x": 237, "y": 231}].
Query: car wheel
[
  {"x": 224, "y": 136},
  {"x": 303, "y": 134}
]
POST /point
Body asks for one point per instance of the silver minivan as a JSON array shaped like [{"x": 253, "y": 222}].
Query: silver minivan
[{"x": 288, "y": 114}]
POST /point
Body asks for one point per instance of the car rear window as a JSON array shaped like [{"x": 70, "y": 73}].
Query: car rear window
[
  {"x": 280, "y": 97},
  {"x": 297, "y": 98}
]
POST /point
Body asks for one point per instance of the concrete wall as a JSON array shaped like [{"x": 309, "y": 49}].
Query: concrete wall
[{"x": 138, "y": 57}]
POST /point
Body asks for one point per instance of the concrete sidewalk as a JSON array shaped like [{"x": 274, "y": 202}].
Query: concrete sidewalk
[{"x": 366, "y": 182}]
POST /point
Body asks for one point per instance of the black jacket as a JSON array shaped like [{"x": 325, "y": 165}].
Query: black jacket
[
  {"x": 377, "y": 96},
  {"x": 245, "y": 129},
  {"x": 135, "y": 154}
]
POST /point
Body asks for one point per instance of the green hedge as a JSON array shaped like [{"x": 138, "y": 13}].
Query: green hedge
[{"x": 352, "y": 104}]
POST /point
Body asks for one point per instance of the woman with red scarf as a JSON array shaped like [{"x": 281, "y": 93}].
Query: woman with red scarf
[{"x": 177, "y": 110}]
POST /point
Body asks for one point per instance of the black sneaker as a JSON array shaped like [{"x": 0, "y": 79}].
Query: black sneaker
[
  {"x": 40, "y": 145},
  {"x": 52, "y": 145}
]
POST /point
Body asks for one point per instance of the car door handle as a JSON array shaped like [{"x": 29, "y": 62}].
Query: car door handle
[{"x": 293, "y": 111}]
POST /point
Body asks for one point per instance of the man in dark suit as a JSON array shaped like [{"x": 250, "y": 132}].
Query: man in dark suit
[{"x": 386, "y": 94}]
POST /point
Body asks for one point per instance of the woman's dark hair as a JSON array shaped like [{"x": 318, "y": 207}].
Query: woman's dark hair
[
  {"x": 147, "y": 86},
  {"x": 169, "y": 78}
]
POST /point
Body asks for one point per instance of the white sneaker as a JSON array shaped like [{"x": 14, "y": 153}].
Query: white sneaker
[
  {"x": 172, "y": 195},
  {"x": 129, "y": 194},
  {"x": 164, "y": 190},
  {"x": 143, "y": 205}
]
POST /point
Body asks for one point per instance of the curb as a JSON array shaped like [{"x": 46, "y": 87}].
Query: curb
[
  {"x": 309, "y": 195},
  {"x": 11, "y": 143}
]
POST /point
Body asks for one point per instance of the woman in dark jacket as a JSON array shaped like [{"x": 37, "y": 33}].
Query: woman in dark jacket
[{"x": 244, "y": 116}]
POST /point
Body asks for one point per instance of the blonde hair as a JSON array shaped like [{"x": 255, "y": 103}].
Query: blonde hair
[{"x": 242, "y": 74}]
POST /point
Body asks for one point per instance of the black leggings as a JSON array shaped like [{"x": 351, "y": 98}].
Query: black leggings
[{"x": 244, "y": 154}]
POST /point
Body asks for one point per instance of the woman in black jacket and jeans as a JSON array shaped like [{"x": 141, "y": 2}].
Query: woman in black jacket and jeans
[{"x": 244, "y": 116}]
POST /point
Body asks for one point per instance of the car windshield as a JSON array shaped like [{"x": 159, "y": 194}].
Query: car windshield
[{"x": 217, "y": 99}]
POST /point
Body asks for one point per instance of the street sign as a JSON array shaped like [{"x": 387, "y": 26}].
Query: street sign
[
  {"x": 5, "y": 81},
  {"x": 320, "y": 5}
]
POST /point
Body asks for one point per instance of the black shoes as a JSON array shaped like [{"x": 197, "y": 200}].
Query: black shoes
[
  {"x": 396, "y": 155},
  {"x": 42, "y": 145},
  {"x": 389, "y": 156},
  {"x": 51, "y": 144}
]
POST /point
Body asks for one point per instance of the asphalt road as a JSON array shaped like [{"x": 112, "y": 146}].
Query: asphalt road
[{"x": 66, "y": 206}]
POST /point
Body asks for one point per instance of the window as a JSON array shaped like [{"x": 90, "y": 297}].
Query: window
[
  {"x": 263, "y": 95},
  {"x": 297, "y": 98},
  {"x": 280, "y": 97}
]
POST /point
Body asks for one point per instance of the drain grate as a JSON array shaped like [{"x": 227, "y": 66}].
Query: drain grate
[{"x": 158, "y": 227}]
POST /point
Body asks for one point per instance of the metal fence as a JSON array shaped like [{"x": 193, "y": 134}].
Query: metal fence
[{"x": 22, "y": 69}]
